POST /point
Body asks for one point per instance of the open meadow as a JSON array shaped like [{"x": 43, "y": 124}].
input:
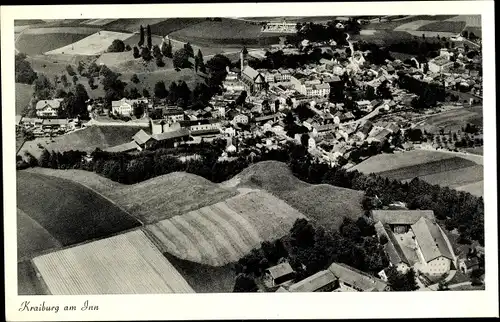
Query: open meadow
[
  {"x": 80, "y": 216},
  {"x": 95, "y": 43},
  {"x": 94, "y": 268},
  {"x": 453, "y": 120},
  {"x": 36, "y": 41},
  {"x": 224, "y": 232}
]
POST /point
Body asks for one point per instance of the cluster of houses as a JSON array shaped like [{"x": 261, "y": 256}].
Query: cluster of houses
[
  {"x": 333, "y": 131},
  {"x": 338, "y": 277},
  {"x": 411, "y": 239}
]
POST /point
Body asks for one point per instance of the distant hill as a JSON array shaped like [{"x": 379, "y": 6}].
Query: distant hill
[{"x": 325, "y": 204}]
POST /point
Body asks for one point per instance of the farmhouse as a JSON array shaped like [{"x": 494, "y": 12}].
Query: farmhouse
[
  {"x": 170, "y": 139},
  {"x": 351, "y": 279},
  {"x": 48, "y": 108},
  {"x": 413, "y": 243},
  {"x": 142, "y": 139},
  {"x": 278, "y": 275},
  {"x": 125, "y": 106},
  {"x": 439, "y": 64},
  {"x": 322, "y": 281},
  {"x": 124, "y": 148},
  {"x": 173, "y": 113}
]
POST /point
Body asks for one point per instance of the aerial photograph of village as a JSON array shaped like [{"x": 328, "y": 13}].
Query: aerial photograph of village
[{"x": 249, "y": 154}]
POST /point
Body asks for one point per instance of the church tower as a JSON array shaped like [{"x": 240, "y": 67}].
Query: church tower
[{"x": 243, "y": 58}]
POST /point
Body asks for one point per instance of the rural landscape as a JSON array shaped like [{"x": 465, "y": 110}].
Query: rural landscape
[{"x": 249, "y": 154}]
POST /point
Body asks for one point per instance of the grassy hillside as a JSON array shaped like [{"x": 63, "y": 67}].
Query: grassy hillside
[
  {"x": 23, "y": 96},
  {"x": 32, "y": 238},
  {"x": 205, "y": 278},
  {"x": 325, "y": 204},
  {"x": 68, "y": 211},
  {"x": 149, "y": 79},
  {"x": 151, "y": 200}
]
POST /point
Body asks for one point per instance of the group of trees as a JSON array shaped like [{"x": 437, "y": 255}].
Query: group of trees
[
  {"x": 429, "y": 93},
  {"x": 278, "y": 59},
  {"x": 74, "y": 104},
  {"x": 24, "y": 72},
  {"x": 320, "y": 32},
  {"x": 311, "y": 248}
]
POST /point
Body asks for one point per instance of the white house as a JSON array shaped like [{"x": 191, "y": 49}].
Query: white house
[
  {"x": 125, "y": 106},
  {"x": 240, "y": 118},
  {"x": 48, "y": 108}
]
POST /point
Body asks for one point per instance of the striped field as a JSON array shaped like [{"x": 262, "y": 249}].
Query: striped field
[
  {"x": 226, "y": 231},
  {"x": 124, "y": 264}
]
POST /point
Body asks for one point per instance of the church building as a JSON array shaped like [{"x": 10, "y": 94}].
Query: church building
[{"x": 253, "y": 80}]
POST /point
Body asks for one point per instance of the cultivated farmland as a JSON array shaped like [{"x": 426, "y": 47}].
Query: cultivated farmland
[
  {"x": 428, "y": 168},
  {"x": 96, "y": 43},
  {"x": 454, "y": 120},
  {"x": 95, "y": 268},
  {"x": 40, "y": 40},
  {"x": 385, "y": 162},
  {"x": 80, "y": 216},
  {"x": 225, "y": 32},
  {"x": 444, "y": 26},
  {"x": 226, "y": 231},
  {"x": 453, "y": 170},
  {"x": 154, "y": 199}
]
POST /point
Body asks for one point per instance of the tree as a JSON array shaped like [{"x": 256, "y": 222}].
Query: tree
[
  {"x": 199, "y": 62},
  {"x": 245, "y": 283},
  {"x": 134, "y": 79},
  {"x": 117, "y": 46},
  {"x": 128, "y": 48},
  {"x": 302, "y": 233},
  {"x": 75, "y": 79},
  {"x": 150, "y": 43},
  {"x": 145, "y": 92},
  {"x": 44, "y": 159},
  {"x": 166, "y": 49},
  {"x": 160, "y": 90},
  {"x": 156, "y": 51},
  {"x": 181, "y": 58},
  {"x": 139, "y": 109},
  {"x": 141, "y": 39},
  {"x": 241, "y": 99},
  {"x": 401, "y": 282},
  {"x": 93, "y": 70},
  {"x": 42, "y": 88},
  {"x": 24, "y": 73},
  {"x": 146, "y": 54},
  {"x": 136, "y": 52},
  {"x": 159, "y": 61},
  {"x": 91, "y": 82},
  {"x": 64, "y": 80},
  {"x": 189, "y": 49},
  {"x": 70, "y": 70},
  {"x": 134, "y": 93},
  {"x": 304, "y": 140},
  {"x": 80, "y": 68}
]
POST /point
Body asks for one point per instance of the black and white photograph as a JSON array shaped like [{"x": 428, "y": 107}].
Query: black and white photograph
[{"x": 257, "y": 154}]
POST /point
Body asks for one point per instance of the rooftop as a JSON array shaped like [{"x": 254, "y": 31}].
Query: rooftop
[
  {"x": 280, "y": 270},
  {"x": 314, "y": 282},
  {"x": 357, "y": 278},
  {"x": 401, "y": 217},
  {"x": 431, "y": 240}
]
